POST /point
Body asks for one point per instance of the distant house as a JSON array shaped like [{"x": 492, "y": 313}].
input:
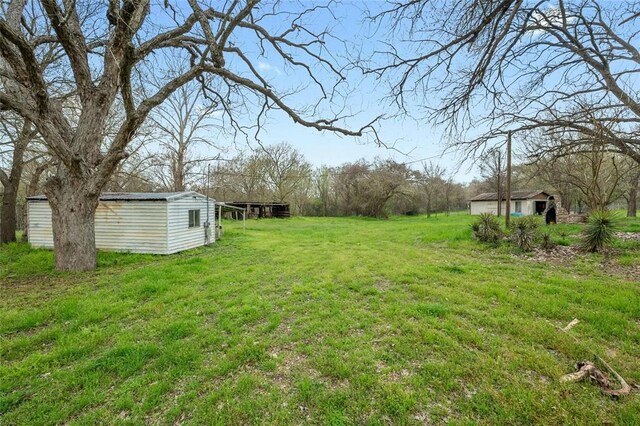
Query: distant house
[
  {"x": 138, "y": 222},
  {"x": 523, "y": 202}
]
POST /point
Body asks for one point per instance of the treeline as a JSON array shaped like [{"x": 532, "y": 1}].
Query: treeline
[{"x": 363, "y": 188}]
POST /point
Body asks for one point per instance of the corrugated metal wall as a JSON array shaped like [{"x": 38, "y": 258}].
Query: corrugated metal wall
[
  {"x": 478, "y": 207},
  {"x": 180, "y": 236},
  {"x": 39, "y": 217},
  {"x": 134, "y": 226}
]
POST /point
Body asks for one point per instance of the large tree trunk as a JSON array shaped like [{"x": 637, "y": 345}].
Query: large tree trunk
[
  {"x": 632, "y": 203},
  {"x": 179, "y": 170},
  {"x": 632, "y": 198},
  {"x": 9, "y": 214},
  {"x": 11, "y": 183},
  {"x": 73, "y": 216}
]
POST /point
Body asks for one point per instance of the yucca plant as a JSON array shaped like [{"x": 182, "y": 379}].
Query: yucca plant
[
  {"x": 599, "y": 232},
  {"x": 487, "y": 228},
  {"x": 524, "y": 231},
  {"x": 547, "y": 242}
]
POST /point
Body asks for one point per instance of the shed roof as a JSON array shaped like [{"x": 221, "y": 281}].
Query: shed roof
[
  {"x": 135, "y": 196},
  {"x": 256, "y": 203},
  {"x": 515, "y": 195},
  {"x": 228, "y": 208}
]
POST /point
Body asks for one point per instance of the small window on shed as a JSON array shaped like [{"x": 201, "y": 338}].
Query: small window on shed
[
  {"x": 518, "y": 206},
  {"x": 194, "y": 218}
]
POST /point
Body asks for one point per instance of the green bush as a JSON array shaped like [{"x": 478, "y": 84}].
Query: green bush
[
  {"x": 487, "y": 228},
  {"x": 524, "y": 231},
  {"x": 599, "y": 231}
]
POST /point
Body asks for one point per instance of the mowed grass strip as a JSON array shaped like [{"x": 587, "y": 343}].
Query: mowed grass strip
[{"x": 320, "y": 321}]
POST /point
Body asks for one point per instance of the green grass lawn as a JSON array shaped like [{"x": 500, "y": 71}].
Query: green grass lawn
[{"x": 321, "y": 321}]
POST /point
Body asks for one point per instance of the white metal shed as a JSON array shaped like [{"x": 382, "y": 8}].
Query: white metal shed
[
  {"x": 523, "y": 202},
  {"x": 137, "y": 222}
]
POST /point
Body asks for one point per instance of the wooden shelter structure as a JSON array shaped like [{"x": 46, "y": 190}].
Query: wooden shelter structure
[
  {"x": 235, "y": 213},
  {"x": 259, "y": 209}
]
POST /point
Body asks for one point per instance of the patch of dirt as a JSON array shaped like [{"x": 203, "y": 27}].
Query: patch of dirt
[
  {"x": 566, "y": 255},
  {"x": 398, "y": 376},
  {"x": 559, "y": 254},
  {"x": 630, "y": 272},
  {"x": 535, "y": 377},
  {"x": 422, "y": 418},
  {"x": 628, "y": 236},
  {"x": 382, "y": 284},
  {"x": 285, "y": 326},
  {"x": 436, "y": 413},
  {"x": 288, "y": 362}
]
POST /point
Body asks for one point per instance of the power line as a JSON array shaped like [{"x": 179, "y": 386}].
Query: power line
[{"x": 329, "y": 170}]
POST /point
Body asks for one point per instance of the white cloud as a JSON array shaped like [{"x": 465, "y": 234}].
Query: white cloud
[
  {"x": 267, "y": 67},
  {"x": 551, "y": 16},
  {"x": 216, "y": 113}
]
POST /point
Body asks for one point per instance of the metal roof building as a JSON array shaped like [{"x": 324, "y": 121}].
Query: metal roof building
[
  {"x": 137, "y": 222},
  {"x": 522, "y": 202}
]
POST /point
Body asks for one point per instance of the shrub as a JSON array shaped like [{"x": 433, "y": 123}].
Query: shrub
[
  {"x": 524, "y": 231},
  {"x": 547, "y": 242},
  {"x": 487, "y": 228},
  {"x": 599, "y": 231}
]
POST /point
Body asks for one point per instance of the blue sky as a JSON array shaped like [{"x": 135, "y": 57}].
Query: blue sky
[
  {"x": 406, "y": 139},
  {"x": 411, "y": 141}
]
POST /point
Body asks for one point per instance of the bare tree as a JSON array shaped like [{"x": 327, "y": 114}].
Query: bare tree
[
  {"x": 631, "y": 188},
  {"x": 490, "y": 67},
  {"x": 15, "y": 136},
  {"x": 135, "y": 173},
  {"x": 437, "y": 192},
  {"x": 323, "y": 185},
  {"x": 597, "y": 174},
  {"x": 582, "y": 167},
  {"x": 240, "y": 179},
  {"x": 432, "y": 180},
  {"x": 185, "y": 127},
  {"x": 300, "y": 199},
  {"x": 550, "y": 176},
  {"x": 285, "y": 170},
  {"x": 102, "y": 59},
  {"x": 453, "y": 196},
  {"x": 271, "y": 173},
  {"x": 366, "y": 189},
  {"x": 492, "y": 169}
]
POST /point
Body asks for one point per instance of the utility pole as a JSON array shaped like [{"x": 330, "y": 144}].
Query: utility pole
[
  {"x": 507, "y": 211},
  {"x": 499, "y": 183},
  {"x": 207, "y": 223}
]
